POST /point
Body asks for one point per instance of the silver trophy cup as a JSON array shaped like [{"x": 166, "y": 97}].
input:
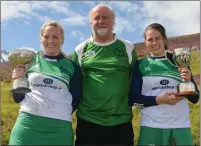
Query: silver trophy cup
[
  {"x": 182, "y": 58},
  {"x": 21, "y": 57}
]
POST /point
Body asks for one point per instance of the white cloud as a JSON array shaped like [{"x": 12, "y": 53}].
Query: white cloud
[
  {"x": 124, "y": 6},
  {"x": 42, "y": 18},
  {"x": 88, "y": 3},
  {"x": 58, "y": 6},
  {"x": 55, "y": 6},
  {"x": 26, "y": 10},
  {"x": 123, "y": 25},
  {"x": 79, "y": 36},
  {"x": 9, "y": 10},
  {"x": 178, "y": 17},
  {"x": 75, "y": 20}
]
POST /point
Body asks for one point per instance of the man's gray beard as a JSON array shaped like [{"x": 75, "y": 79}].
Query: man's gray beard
[{"x": 102, "y": 32}]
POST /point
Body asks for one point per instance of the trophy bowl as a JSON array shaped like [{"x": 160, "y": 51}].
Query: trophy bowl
[
  {"x": 21, "y": 57},
  {"x": 181, "y": 57}
]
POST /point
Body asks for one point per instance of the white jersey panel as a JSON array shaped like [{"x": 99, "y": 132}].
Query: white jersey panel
[
  {"x": 129, "y": 48},
  {"x": 50, "y": 97},
  {"x": 79, "y": 51},
  {"x": 164, "y": 115}
]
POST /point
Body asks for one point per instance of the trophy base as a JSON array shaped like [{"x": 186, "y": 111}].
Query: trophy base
[
  {"x": 21, "y": 90},
  {"x": 186, "y": 88},
  {"x": 186, "y": 93}
]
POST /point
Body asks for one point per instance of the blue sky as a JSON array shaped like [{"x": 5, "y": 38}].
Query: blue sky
[{"x": 21, "y": 20}]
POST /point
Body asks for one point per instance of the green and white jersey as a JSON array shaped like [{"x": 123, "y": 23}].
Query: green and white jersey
[
  {"x": 158, "y": 76},
  {"x": 106, "y": 78},
  {"x": 49, "y": 81}
]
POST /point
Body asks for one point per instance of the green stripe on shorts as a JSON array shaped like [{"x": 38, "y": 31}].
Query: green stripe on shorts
[
  {"x": 157, "y": 136},
  {"x": 35, "y": 130}
]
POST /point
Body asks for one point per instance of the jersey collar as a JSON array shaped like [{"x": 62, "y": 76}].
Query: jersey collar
[
  {"x": 53, "y": 58},
  {"x": 103, "y": 44}
]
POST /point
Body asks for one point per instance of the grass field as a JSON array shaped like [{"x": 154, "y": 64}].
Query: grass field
[
  {"x": 9, "y": 111},
  {"x": 195, "y": 65}
]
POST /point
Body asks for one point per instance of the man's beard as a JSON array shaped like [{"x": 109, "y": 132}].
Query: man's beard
[{"x": 102, "y": 32}]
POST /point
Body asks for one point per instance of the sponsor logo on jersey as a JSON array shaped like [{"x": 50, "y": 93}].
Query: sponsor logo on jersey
[
  {"x": 63, "y": 69},
  {"x": 164, "y": 82},
  {"x": 147, "y": 68},
  {"x": 119, "y": 52},
  {"x": 48, "y": 81},
  {"x": 163, "y": 87},
  {"x": 49, "y": 86},
  {"x": 89, "y": 53}
]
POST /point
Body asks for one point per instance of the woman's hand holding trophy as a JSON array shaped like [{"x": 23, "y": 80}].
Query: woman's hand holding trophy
[
  {"x": 19, "y": 71},
  {"x": 182, "y": 59},
  {"x": 19, "y": 59}
]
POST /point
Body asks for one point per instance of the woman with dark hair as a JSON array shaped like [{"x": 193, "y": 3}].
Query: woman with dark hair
[{"x": 164, "y": 116}]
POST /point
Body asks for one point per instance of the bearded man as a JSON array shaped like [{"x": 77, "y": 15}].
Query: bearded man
[{"x": 103, "y": 115}]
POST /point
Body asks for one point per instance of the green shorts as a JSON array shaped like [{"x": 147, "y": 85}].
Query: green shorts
[
  {"x": 157, "y": 136},
  {"x": 35, "y": 130}
]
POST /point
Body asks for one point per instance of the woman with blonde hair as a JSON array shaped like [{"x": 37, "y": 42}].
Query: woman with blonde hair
[{"x": 45, "y": 115}]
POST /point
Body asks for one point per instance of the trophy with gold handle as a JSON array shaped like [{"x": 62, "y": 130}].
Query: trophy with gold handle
[
  {"x": 182, "y": 57},
  {"x": 21, "y": 57}
]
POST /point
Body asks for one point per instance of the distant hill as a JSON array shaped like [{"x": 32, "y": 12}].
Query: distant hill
[
  {"x": 186, "y": 41},
  {"x": 5, "y": 71}
]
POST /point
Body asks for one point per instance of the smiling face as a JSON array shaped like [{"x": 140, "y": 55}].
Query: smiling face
[
  {"x": 155, "y": 43},
  {"x": 51, "y": 40},
  {"x": 102, "y": 21}
]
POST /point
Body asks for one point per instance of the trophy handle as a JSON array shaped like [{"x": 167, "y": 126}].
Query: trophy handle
[
  {"x": 172, "y": 58},
  {"x": 196, "y": 48},
  {"x": 5, "y": 60}
]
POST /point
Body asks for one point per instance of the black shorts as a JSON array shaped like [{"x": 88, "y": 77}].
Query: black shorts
[{"x": 90, "y": 134}]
